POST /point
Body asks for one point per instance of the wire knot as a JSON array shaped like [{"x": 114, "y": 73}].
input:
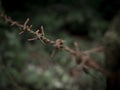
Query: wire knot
[{"x": 59, "y": 44}]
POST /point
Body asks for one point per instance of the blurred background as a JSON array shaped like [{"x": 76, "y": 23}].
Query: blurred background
[{"x": 28, "y": 66}]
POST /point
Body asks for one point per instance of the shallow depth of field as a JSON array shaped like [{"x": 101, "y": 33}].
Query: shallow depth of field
[{"x": 28, "y": 65}]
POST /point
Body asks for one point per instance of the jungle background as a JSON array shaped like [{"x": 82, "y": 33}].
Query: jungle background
[{"x": 28, "y": 66}]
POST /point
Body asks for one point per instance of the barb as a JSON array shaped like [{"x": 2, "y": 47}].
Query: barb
[{"x": 83, "y": 58}]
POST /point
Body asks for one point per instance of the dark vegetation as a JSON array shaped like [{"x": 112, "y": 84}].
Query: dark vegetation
[{"x": 28, "y": 66}]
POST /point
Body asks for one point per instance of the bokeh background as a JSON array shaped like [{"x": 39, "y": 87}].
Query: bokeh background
[{"x": 28, "y": 66}]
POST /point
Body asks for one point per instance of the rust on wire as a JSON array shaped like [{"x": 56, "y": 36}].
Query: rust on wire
[{"x": 83, "y": 58}]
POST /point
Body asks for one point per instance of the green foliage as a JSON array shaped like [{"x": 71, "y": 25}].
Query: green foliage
[{"x": 30, "y": 64}]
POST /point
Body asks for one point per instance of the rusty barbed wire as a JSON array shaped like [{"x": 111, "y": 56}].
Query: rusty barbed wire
[{"x": 83, "y": 58}]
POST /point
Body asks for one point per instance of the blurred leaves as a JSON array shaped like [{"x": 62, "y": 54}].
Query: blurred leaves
[{"x": 30, "y": 64}]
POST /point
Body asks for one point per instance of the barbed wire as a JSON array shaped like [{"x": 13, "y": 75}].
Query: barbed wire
[{"x": 82, "y": 58}]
